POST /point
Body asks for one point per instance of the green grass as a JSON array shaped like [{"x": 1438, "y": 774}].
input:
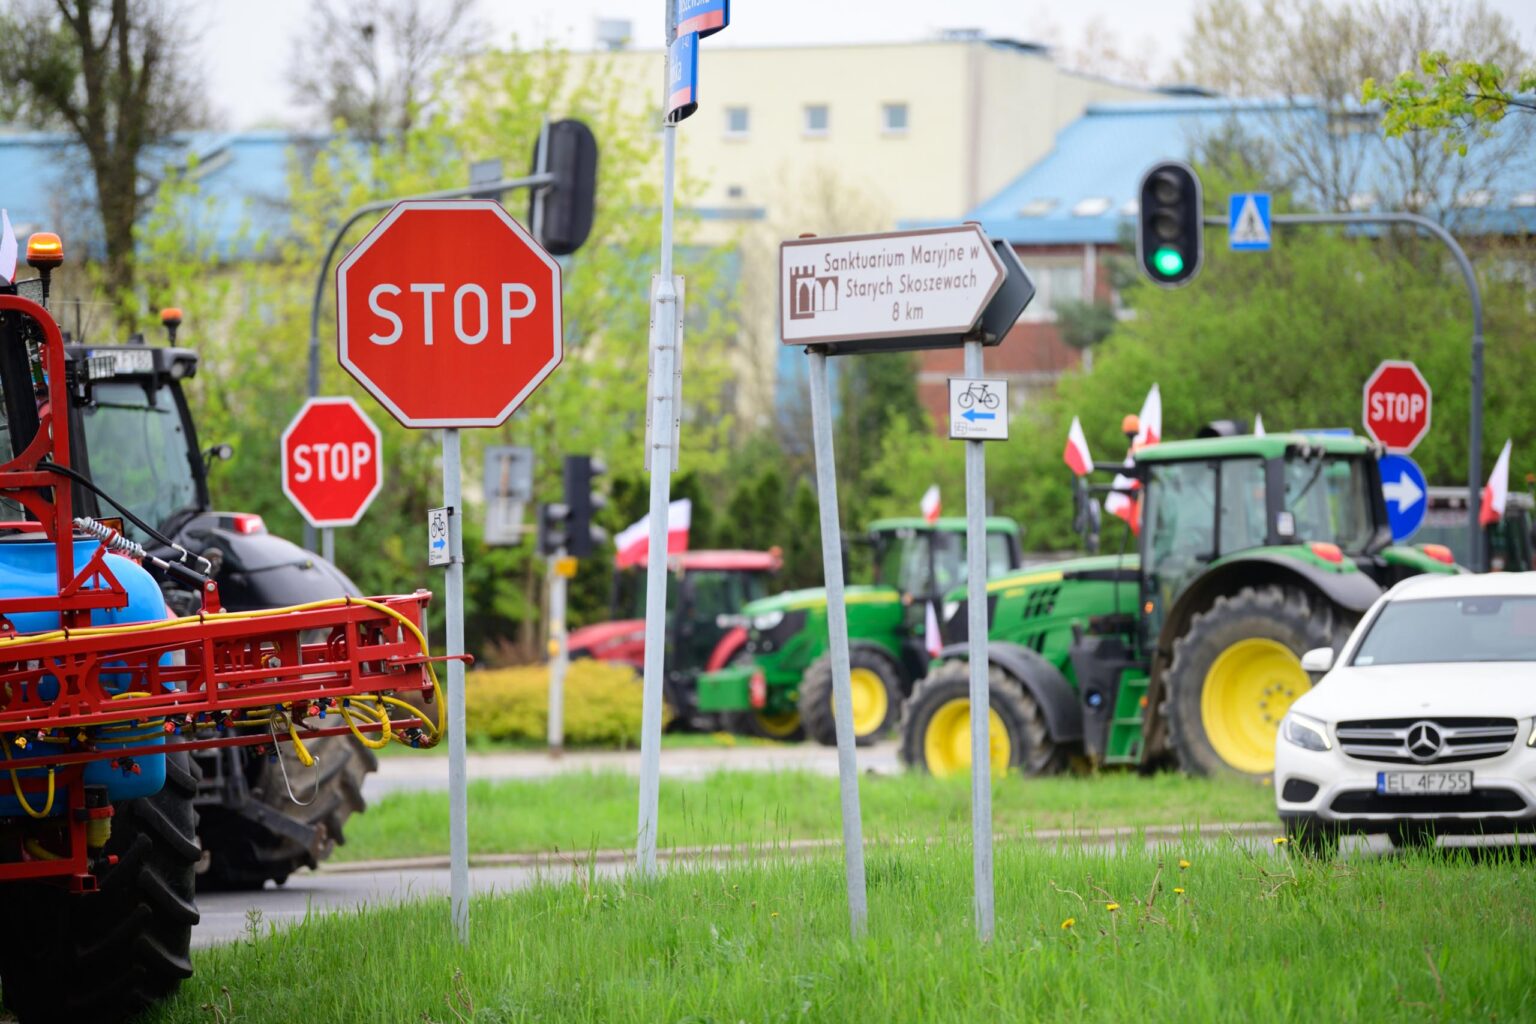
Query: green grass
[
  {"x": 1253, "y": 938},
  {"x": 581, "y": 811}
]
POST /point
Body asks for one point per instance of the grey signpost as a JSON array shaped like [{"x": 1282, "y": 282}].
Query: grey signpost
[{"x": 932, "y": 288}]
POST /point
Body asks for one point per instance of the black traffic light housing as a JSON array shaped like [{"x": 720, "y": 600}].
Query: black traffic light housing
[
  {"x": 582, "y": 537},
  {"x": 554, "y": 529},
  {"x": 1168, "y": 234},
  {"x": 562, "y": 211}
]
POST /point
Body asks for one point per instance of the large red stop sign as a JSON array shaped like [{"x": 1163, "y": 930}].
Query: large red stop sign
[
  {"x": 1397, "y": 405},
  {"x": 332, "y": 462},
  {"x": 448, "y": 313}
]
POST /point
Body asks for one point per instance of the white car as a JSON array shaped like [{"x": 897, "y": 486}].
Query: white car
[{"x": 1424, "y": 724}]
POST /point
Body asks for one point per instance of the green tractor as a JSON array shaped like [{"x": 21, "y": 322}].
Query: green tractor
[
  {"x": 781, "y": 685},
  {"x": 1253, "y": 550},
  {"x": 1506, "y": 543}
]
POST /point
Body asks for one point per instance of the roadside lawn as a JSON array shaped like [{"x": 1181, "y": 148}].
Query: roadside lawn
[
  {"x": 581, "y": 811},
  {"x": 1082, "y": 935}
]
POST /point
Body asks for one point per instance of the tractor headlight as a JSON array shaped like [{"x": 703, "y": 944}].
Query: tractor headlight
[
  {"x": 767, "y": 621},
  {"x": 1307, "y": 733}
]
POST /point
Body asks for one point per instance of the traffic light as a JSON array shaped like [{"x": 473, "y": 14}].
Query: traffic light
[
  {"x": 554, "y": 529},
  {"x": 561, "y": 212},
  {"x": 581, "y": 536},
  {"x": 1168, "y": 238}
]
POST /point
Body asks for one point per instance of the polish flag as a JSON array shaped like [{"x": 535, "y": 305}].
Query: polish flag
[
  {"x": 1258, "y": 425},
  {"x": 1151, "y": 430},
  {"x": 7, "y": 248},
  {"x": 932, "y": 638},
  {"x": 1125, "y": 500},
  {"x": 1496, "y": 494},
  {"x": 931, "y": 505},
  {"x": 1076, "y": 455},
  {"x": 634, "y": 543}
]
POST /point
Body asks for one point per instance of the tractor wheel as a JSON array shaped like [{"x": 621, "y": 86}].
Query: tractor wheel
[
  {"x": 243, "y": 855},
  {"x": 875, "y": 683},
  {"x": 106, "y": 956},
  {"x": 1236, "y": 672},
  {"x": 936, "y": 730},
  {"x": 786, "y": 727}
]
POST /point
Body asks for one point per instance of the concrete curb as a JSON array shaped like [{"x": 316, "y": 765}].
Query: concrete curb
[{"x": 795, "y": 847}]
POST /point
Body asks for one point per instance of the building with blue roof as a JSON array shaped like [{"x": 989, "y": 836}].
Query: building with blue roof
[{"x": 1062, "y": 212}]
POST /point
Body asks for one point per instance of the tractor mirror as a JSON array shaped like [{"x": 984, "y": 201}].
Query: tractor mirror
[{"x": 1317, "y": 661}]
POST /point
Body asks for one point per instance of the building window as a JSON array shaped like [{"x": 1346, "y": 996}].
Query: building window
[
  {"x": 893, "y": 118},
  {"x": 738, "y": 122},
  {"x": 817, "y": 119},
  {"x": 1057, "y": 279}
]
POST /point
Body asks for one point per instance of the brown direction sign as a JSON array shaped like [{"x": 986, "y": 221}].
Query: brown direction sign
[{"x": 899, "y": 290}]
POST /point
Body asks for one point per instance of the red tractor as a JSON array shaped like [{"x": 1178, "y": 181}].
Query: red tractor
[
  {"x": 705, "y": 592},
  {"x": 105, "y": 695}
]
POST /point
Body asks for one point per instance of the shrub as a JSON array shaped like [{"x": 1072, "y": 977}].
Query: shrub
[{"x": 602, "y": 704}]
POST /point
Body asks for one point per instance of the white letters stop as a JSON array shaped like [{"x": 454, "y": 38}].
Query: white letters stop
[
  {"x": 328, "y": 462},
  {"x": 471, "y": 306},
  {"x": 1397, "y": 407}
]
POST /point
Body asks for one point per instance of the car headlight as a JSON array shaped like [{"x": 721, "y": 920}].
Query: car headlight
[
  {"x": 763, "y": 623},
  {"x": 1307, "y": 733}
]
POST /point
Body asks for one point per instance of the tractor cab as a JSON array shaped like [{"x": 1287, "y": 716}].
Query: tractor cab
[
  {"x": 923, "y": 560},
  {"x": 1507, "y": 543}
]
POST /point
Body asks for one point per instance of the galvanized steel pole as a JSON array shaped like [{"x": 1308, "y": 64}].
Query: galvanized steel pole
[
  {"x": 559, "y": 659},
  {"x": 458, "y": 805},
  {"x": 981, "y": 704},
  {"x": 664, "y": 315},
  {"x": 837, "y": 628}
]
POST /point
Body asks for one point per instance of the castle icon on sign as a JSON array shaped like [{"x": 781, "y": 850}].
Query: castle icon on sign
[{"x": 810, "y": 294}]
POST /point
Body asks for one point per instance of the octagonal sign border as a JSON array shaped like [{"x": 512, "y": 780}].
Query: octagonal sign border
[
  {"x": 282, "y": 451},
  {"x": 1365, "y": 403},
  {"x": 399, "y": 209}
]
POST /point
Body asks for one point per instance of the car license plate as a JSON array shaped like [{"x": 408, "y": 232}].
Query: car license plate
[{"x": 1423, "y": 783}]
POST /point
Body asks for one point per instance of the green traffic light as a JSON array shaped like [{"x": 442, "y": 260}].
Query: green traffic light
[{"x": 1169, "y": 262}]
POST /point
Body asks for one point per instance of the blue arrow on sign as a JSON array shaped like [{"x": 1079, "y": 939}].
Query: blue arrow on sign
[
  {"x": 973, "y": 415},
  {"x": 1403, "y": 486}
]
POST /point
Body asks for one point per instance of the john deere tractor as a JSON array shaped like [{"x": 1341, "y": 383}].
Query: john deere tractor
[
  {"x": 1252, "y": 550},
  {"x": 781, "y": 684}
]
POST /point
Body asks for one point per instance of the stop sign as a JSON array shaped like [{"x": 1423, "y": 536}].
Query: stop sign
[
  {"x": 332, "y": 462},
  {"x": 1397, "y": 405},
  {"x": 448, "y": 313}
]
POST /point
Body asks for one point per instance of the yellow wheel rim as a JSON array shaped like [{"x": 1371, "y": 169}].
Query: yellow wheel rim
[
  {"x": 947, "y": 741},
  {"x": 778, "y": 726},
  {"x": 870, "y": 701},
  {"x": 1248, "y": 689}
]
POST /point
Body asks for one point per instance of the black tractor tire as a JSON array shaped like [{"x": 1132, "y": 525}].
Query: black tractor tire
[
  {"x": 1031, "y": 749},
  {"x": 106, "y": 956},
  {"x": 816, "y": 696},
  {"x": 1296, "y": 618},
  {"x": 243, "y": 856}
]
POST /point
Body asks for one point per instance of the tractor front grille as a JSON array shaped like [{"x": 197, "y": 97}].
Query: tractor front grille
[{"x": 1427, "y": 740}]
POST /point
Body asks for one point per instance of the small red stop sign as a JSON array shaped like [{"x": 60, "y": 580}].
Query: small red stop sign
[
  {"x": 332, "y": 462},
  {"x": 448, "y": 313},
  {"x": 1397, "y": 405}
]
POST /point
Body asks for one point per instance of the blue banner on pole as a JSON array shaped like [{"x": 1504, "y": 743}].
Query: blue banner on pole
[
  {"x": 702, "y": 17},
  {"x": 1402, "y": 484},
  {"x": 682, "y": 77}
]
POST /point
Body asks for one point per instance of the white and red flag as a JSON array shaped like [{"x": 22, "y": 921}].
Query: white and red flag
[
  {"x": 1076, "y": 454},
  {"x": 1496, "y": 493},
  {"x": 931, "y": 505},
  {"x": 633, "y": 544},
  {"x": 7, "y": 248},
  {"x": 1258, "y": 424},
  {"x": 933, "y": 639},
  {"x": 1151, "y": 430},
  {"x": 1125, "y": 500}
]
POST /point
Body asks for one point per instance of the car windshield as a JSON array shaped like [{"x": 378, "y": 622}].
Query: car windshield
[
  {"x": 1450, "y": 629},
  {"x": 138, "y": 450},
  {"x": 1329, "y": 500}
]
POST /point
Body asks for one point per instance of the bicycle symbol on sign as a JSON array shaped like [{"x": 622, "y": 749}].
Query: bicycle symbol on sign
[{"x": 977, "y": 392}]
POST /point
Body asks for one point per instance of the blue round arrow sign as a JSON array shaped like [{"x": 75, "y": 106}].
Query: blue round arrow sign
[{"x": 1402, "y": 484}]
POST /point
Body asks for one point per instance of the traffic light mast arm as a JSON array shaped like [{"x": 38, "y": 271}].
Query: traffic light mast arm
[{"x": 1475, "y": 440}]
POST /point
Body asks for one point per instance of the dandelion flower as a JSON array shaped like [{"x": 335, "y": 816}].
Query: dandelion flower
[
  {"x": 1178, "y": 891},
  {"x": 1068, "y": 923},
  {"x": 1281, "y": 840},
  {"x": 1111, "y": 907},
  {"x": 1183, "y": 864},
  {"x": 776, "y": 913}
]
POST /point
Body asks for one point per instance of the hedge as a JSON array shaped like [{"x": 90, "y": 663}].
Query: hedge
[{"x": 602, "y": 704}]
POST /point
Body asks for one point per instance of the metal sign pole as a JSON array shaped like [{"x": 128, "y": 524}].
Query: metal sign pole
[
  {"x": 837, "y": 627},
  {"x": 976, "y": 603},
  {"x": 559, "y": 655},
  {"x": 458, "y": 805},
  {"x": 328, "y": 544},
  {"x": 664, "y": 314}
]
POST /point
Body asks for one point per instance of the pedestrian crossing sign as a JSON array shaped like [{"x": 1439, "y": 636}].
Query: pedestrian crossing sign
[{"x": 1248, "y": 223}]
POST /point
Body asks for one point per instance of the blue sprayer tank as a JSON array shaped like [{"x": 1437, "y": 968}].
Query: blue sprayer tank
[{"x": 27, "y": 570}]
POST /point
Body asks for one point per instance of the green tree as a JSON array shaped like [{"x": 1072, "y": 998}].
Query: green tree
[{"x": 1456, "y": 99}]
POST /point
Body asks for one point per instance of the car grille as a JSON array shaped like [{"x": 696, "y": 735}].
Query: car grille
[
  {"x": 1446, "y": 740},
  {"x": 1479, "y": 801}
]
